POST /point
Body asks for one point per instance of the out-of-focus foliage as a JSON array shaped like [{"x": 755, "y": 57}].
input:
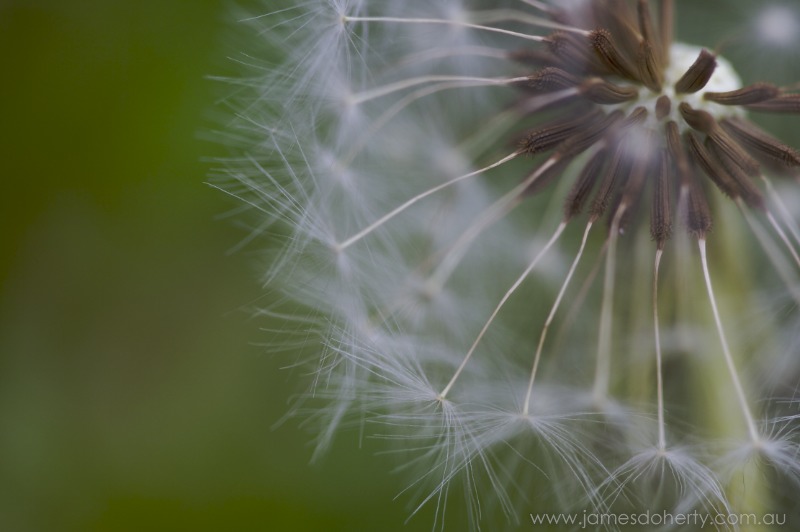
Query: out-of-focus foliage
[{"x": 132, "y": 396}]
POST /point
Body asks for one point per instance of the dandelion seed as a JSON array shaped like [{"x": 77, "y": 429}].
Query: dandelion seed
[{"x": 431, "y": 256}]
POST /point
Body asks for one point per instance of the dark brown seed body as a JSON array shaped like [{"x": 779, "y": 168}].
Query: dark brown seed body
[
  {"x": 621, "y": 60},
  {"x": 760, "y": 141},
  {"x": 580, "y": 191},
  {"x": 661, "y": 213},
  {"x": 745, "y": 96},
  {"x": 787, "y": 103},
  {"x": 698, "y": 74}
]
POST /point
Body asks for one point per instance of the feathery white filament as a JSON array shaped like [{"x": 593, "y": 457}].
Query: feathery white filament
[
  {"x": 783, "y": 210},
  {"x": 662, "y": 440},
  {"x": 515, "y": 15},
  {"x": 409, "y": 99},
  {"x": 453, "y": 82},
  {"x": 380, "y": 100},
  {"x": 737, "y": 385},
  {"x": 502, "y": 302},
  {"x": 777, "y": 258},
  {"x": 502, "y": 206},
  {"x": 538, "y": 5},
  {"x": 785, "y": 239},
  {"x": 496, "y": 15},
  {"x": 455, "y": 253},
  {"x": 391, "y": 214},
  {"x": 603, "y": 368},
  {"x": 501, "y": 122},
  {"x": 579, "y": 300},
  {"x": 455, "y": 23},
  {"x": 553, "y": 310},
  {"x": 446, "y": 53}
]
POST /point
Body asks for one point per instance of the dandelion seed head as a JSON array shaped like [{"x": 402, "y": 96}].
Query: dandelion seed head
[
  {"x": 724, "y": 79},
  {"x": 497, "y": 221}
]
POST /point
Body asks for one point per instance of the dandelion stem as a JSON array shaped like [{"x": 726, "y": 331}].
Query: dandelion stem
[
  {"x": 662, "y": 441},
  {"x": 553, "y": 310},
  {"x": 603, "y": 369},
  {"x": 502, "y": 302},
  {"x": 391, "y": 214},
  {"x": 737, "y": 385}
]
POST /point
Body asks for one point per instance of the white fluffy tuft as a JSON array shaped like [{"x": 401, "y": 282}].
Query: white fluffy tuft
[{"x": 375, "y": 151}]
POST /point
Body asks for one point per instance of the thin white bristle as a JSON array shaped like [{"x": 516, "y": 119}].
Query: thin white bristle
[
  {"x": 391, "y": 214},
  {"x": 603, "y": 368},
  {"x": 662, "y": 440},
  {"x": 502, "y": 302},
  {"x": 734, "y": 374},
  {"x": 553, "y": 310}
]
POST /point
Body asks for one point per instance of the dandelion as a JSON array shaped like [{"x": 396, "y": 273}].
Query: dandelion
[{"x": 541, "y": 248}]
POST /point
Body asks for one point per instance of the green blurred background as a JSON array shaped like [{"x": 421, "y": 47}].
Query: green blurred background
[
  {"x": 132, "y": 396},
  {"x": 132, "y": 393}
]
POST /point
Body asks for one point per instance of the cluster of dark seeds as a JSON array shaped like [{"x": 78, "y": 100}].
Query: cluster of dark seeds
[{"x": 607, "y": 70}]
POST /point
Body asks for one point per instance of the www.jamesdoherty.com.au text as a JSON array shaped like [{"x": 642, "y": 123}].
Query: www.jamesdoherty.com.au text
[{"x": 647, "y": 519}]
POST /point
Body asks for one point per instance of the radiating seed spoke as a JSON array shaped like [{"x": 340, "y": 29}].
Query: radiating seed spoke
[
  {"x": 391, "y": 214},
  {"x": 537, "y": 357},
  {"x": 734, "y": 375},
  {"x": 502, "y": 302}
]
